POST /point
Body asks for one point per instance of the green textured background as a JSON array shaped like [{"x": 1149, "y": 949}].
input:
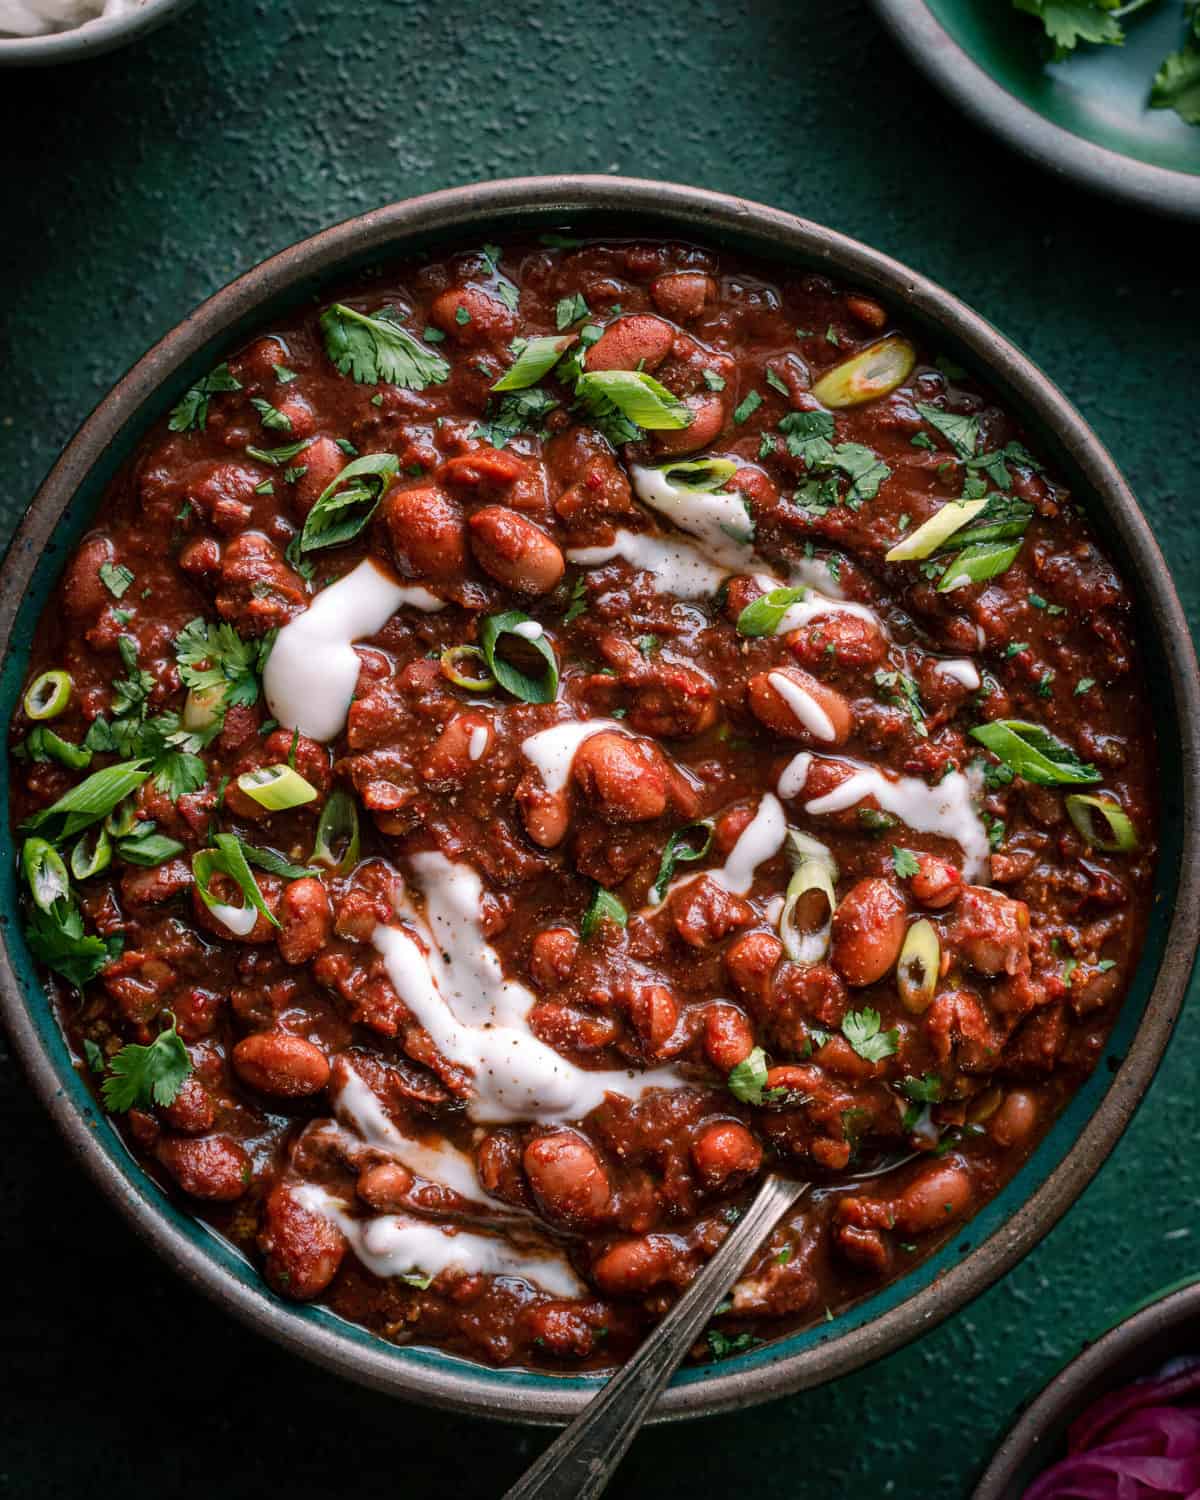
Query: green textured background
[{"x": 136, "y": 185}]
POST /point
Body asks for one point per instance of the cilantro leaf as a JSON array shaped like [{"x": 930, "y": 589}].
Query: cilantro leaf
[
  {"x": 1177, "y": 83},
  {"x": 143, "y": 1076},
  {"x": 962, "y": 433},
  {"x": 271, "y": 417},
  {"x": 901, "y": 691},
  {"x": 374, "y": 348},
  {"x": 570, "y": 310},
  {"x": 861, "y": 1028},
  {"x": 519, "y": 411},
  {"x": 56, "y": 938},
  {"x": 1069, "y": 22},
  {"x": 749, "y": 1077},
  {"x": 926, "y": 1090},
  {"x": 905, "y": 863},
  {"x": 215, "y": 656},
  {"x": 115, "y": 577},
  {"x": 192, "y": 411}
]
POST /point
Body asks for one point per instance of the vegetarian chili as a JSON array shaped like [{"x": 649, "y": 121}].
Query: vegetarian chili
[{"x": 552, "y": 732}]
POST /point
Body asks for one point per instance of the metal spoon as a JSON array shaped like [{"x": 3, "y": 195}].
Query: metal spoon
[{"x": 581, "y": 1461}]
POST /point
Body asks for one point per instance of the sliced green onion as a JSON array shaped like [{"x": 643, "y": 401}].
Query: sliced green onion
[
  {"x": 1103, "y": 822},
  {"x": 148, "y": 849},
  {"x": 345, "y": 506},
  {"x": 1004, "y": 519},
  {"x": 748, "y": 1078},
  {"x": 228, "y": 858},
  {"x": 276, "y": 787},
  {"x": 123, "y": 819},
  {"x": 1034, "y": 753},
  {"x": 48, "y": 695},
  {"x": 638, "y": 396},
  {"x": 204, "y": 707},
  {"x": 44, "y": 744},
  {"x": 603, "y": 907},
  {"x": 685, "y": 846},
  {"x": 762, "y": 616},
  {"x": 702, "y": 475},
  {"x": 537, "y": 357},
  {"x": 977, "y": 564},
  {"x": 806, "y": 921},
  {"x": 92, "y": 853},
  {"x": 482, "y": 679},
  {"x": 45, "y": 872},
  {"x": 88, "y": 802},
  {"x": 275, "y": 864},
  {"x": 540, "y": 689},
  {"x": 962, "y": 433},
  {"x": 939, "y": 528},
  {"x": 337, "y": 829},
  {"x": 866, "y": 376},
  {"x": 919, "y": 966},
  {"x": 278, "y": 457}
]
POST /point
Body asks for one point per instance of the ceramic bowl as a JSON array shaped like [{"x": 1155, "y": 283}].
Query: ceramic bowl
[
  {"x": 1164, "y": 1328},
  {"x": 1065, "y": 1161},
  {"x": 89, "y": 40}
]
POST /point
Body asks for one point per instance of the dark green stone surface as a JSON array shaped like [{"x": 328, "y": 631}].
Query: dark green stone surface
[{"x": 140, "y": 183}]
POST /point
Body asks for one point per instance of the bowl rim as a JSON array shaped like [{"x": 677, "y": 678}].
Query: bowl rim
[
  {"x": 89, "y": 39},
  {"x": 660, "y": 208},
  {"x": 1073, "y": 1387},
  {"x": 972, "y": 89}
]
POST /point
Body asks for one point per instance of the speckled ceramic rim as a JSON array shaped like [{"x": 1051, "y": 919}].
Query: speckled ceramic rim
[
  {"x": 90, "y": 40},
  {"x": 988, "y": 103},
  {"x": 1007, "y": 1227},
  {"x": 1166, "y": 1327}
]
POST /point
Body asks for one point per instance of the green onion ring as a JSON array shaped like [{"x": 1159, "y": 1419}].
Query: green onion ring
[{"x": 48, "y": 695}]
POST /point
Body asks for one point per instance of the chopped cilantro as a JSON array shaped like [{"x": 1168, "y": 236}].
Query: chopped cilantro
[
  {"x": 861, "y": 1028},
  {"x": 745, "y": 409}
]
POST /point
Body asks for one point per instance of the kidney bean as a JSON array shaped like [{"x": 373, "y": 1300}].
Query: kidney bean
[
  {"x": 823, "y": 717},
  {"x": 192, "y": 1111},
  {"x": 305, "y": 918},
  {"x": 728, "y": 1036},
  {"x": 683, "y": 295},
  {"x": 653, "y": 1012},
  {"x": 868, "y": 931},
  {"x": 702, "y": 912},
  {"x": 838, "y": 640},
  {"x": 633, "y": 1266},
  {"x": 561, "y": 1329},
  {"x": 937, "y": 883},
  {"x": 426, "y": 532},
  {"x": 940, "y": 1194},
  {"x": 725, "y": 1154},
  {"x": 637, "y": 341},
  {"x": 83, "y": 591},
  {"x": 515, "y": 551},
  {"x": 568, "y": 1179},
  {"x": 303, "y": 1250},
  {"x": 487, "y": 319},
  {"x": 990, "y": 931},
  {"x": 623, "y": 779},
  {"x": 867, "y": 311},
  {"x": 449, "y": 760},
  {"x": 278, "y": 1063},
  {"x": 751, "y": 961},
  {"x": 546, "y": 815},
  {"x": 323, "y": 461},
  {"x": 1016, "y": 1119},
  {"x": 552, "y": 956},
  {"x": 385, "y": 1186},
  {"x": 212, "y": 1166},
  {"x": 708, "y": 418},
  {"x": 201, "y": 557},
  {"x": 498, "y": 1166}
]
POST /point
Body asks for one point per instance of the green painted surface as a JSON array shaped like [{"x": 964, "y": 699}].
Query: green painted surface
[
  {"x": 1099, "y": 93},
  {"x": 144, "y": 181}
]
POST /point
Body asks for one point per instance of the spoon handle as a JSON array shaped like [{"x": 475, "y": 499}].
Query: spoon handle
[{"x": 579, "y": 1463}]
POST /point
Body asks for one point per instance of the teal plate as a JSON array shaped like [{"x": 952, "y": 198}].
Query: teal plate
[
  {"x": 1086, "y": 118},
  {"x": 1080, "y": 1140}
]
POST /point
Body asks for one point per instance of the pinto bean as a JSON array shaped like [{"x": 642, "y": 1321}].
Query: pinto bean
[
  {"x": 637, "y": 341},
  {"x": 258, "y": 591},
  {"x": 450, "y": 759},
  {"x": 1016, "y": 1119},
  {"x": 798, "y": 707},
  {"x": 682, "y": 295},
  {"x": 323, "y": 461},
  {"x": 750, "y": 962},
  {"x": 515, "y": 551},
  {"x": 868, "y": 931},
  {"x": 305, "y": 920},
  {"x": 552, "y": 957},
  {"x": 838, "y": 640},
  {"x": 937, "y": 883},
  {"x": 213, "y": 1167},
  {"x": 83, "y": 592},
  {"x": 568, "y": 1178},
  {"x": 545, "y": 814},
  {"x": 654, "y": 1012},
  {"x": 708, "y": 418},
  {"x": 702, "y": 912},
  {"x": 991, "y": 931},
  {"x": 867, "y": 311},
  {"x": 275, "y": 1062},
  {"x": 426, "y": 532},
  {"x": 940, "y": 1194},
  {"x": 728, "y": 1036},
  {"x": 633, "y": 1266},
  {"x": 303, "y": 1250},
  {"x": 623, "y": 779},
  {"x": 724, "y": 1154},
  {"x": 385, "y": 1187}
]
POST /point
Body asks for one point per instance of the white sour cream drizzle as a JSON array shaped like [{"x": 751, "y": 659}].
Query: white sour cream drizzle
[
  {"x": 676, "y": 566},
  {"x": 947, "y": 809},
  {"x": 394, "y": 1245},
  {"x": 312, "y": 671},
  {"x": 760, "y": 840},
  {"x": 804, "y": 706},
  {"x": 718, "y": 520},
  {"x": 451, "y": 979},
  {"x": 478, "y": 742},
  {"x": 959, "y": 669},
  {"x": 239, "y": 919},
  {"x": 551, "y": 751}
]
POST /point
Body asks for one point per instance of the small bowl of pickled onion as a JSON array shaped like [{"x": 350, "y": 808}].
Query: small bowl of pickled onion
[
  {"x": 1121, "y": 1421},
  {"x": 37, "y": 33}
]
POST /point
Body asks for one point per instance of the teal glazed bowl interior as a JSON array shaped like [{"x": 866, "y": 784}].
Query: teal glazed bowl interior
[{"x": 1068, "y": 1157}]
